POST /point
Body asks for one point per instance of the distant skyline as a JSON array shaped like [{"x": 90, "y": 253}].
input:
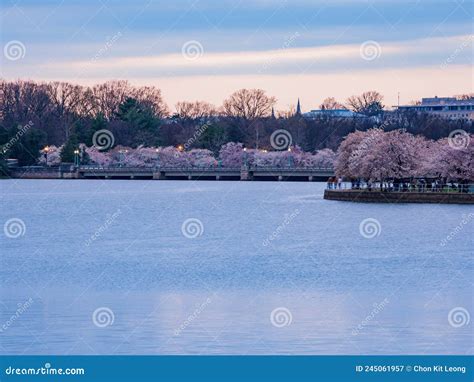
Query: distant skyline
[{"x": 204, "y": 50}]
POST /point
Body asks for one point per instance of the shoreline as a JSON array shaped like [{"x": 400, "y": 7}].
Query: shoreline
[{"x": 363, "y": 196}]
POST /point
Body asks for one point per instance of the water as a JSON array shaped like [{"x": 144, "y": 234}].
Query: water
[{"x": 264, "y": 247}]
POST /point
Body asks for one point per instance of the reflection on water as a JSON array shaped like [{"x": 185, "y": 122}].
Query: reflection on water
[{"x": 109, "y": 271}]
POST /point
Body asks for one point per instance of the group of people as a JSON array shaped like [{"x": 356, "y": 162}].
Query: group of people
[
  {"x": 334, "y": 183},
  {"x": 397, "y": 185}
]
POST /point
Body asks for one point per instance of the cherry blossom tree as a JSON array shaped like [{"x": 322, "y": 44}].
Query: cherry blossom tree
[
  {"x": 372, "y": 155},
  {"x": 53, "y": 156},
  {"x": 98, "y": 157},
  {"x": 453, "y": 163},
  {"x": 324, "y": 158},
  {"x": 377, "y": 155},
  {"x": 344, "y": 153},
  {"x": 201, "y": 158},
  {"x": 231, "y": 154}
]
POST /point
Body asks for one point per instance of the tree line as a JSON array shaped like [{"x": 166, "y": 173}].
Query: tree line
[{"x": 38, "y": 114}]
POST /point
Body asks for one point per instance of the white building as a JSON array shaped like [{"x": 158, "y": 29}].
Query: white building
[
  {"x": 332, "y": 113},
  {"x": 447, "y": 107}
]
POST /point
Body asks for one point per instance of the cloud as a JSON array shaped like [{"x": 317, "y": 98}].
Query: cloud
[{"x": 286, "y": 60}]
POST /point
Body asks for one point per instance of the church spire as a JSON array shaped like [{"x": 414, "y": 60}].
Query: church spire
[
  {"x": 298, "y": 108},
  {"x": 273, "y": 112}
]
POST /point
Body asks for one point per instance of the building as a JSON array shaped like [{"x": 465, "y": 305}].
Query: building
[
  {"x": 298, "y": 108},
  {"x": 333, "y": 113},
  {"x": 447, "y": 107}
]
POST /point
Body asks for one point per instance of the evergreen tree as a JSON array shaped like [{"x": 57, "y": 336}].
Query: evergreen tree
[
  {"x": 141, "y": 120},
  {"x": 27, "y": 149},
  {"x": 212, "y": 137},
  {"x": 4, "y": 173},
  {"x": 67, "y": 152}
]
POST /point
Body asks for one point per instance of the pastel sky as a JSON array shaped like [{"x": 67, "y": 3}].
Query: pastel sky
[{"x": 204, "y": 49}]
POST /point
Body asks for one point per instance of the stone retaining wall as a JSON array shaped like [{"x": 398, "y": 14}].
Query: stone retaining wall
[
  {"x": 364, "y": 196},
  {"x": 36, "y": 174}
]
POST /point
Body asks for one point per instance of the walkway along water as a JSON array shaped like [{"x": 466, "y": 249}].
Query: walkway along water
[
  {"x": 452, "y": 194},
  {"x": 165, "y": 173}
]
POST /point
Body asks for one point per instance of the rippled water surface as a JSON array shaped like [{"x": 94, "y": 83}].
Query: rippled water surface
[{"x": 263, "y": 268}]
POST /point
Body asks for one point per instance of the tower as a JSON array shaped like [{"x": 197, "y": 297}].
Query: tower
[{"x": 298, "y": 108}]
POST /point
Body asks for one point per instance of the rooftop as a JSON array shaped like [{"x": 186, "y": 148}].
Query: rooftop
[
  {"x": 343, "y": 113},
  {"x": 441, "y": 101}
]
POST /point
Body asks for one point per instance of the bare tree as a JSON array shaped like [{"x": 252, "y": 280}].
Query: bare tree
[
  {"x": 67, "y": 103},
  {"x": 195, "y": 110},
  {"x": 287, "y": 113},
  {"x": 108, "y": 96},
  {"x": 330, "y": 103},
  {"x": 22, "y": 101},
  {"x": 249, "y": 104},
  {"x": 464, "y": 97},
  {"x": 368, "y": 103},
  {"x": 151, "y": 97}
]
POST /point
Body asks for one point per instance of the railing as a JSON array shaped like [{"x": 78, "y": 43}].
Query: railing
[
  {"x": 200, "y": 169},
  {"x": 37, "y": 169},
  {"x": 293, "y": 169},
  {"x": 405, "y": 188},
  {"x": 116, "y": 169}
]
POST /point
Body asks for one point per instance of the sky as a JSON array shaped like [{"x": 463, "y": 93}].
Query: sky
[{"x": 205, "y": 49}]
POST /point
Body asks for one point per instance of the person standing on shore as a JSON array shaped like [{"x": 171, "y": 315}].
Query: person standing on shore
[{"x": 330, "y": 183}]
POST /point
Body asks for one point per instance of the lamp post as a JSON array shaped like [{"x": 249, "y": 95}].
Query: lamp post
[
  {"x": 290, "y": 158},
  {"x": 45, "y": 152},
  {"x": 76, "y": 158},
  {"x": 122, "y": 157},
  {"x": 157, "y": 157},
  {"x": 245, "y": 156}
]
